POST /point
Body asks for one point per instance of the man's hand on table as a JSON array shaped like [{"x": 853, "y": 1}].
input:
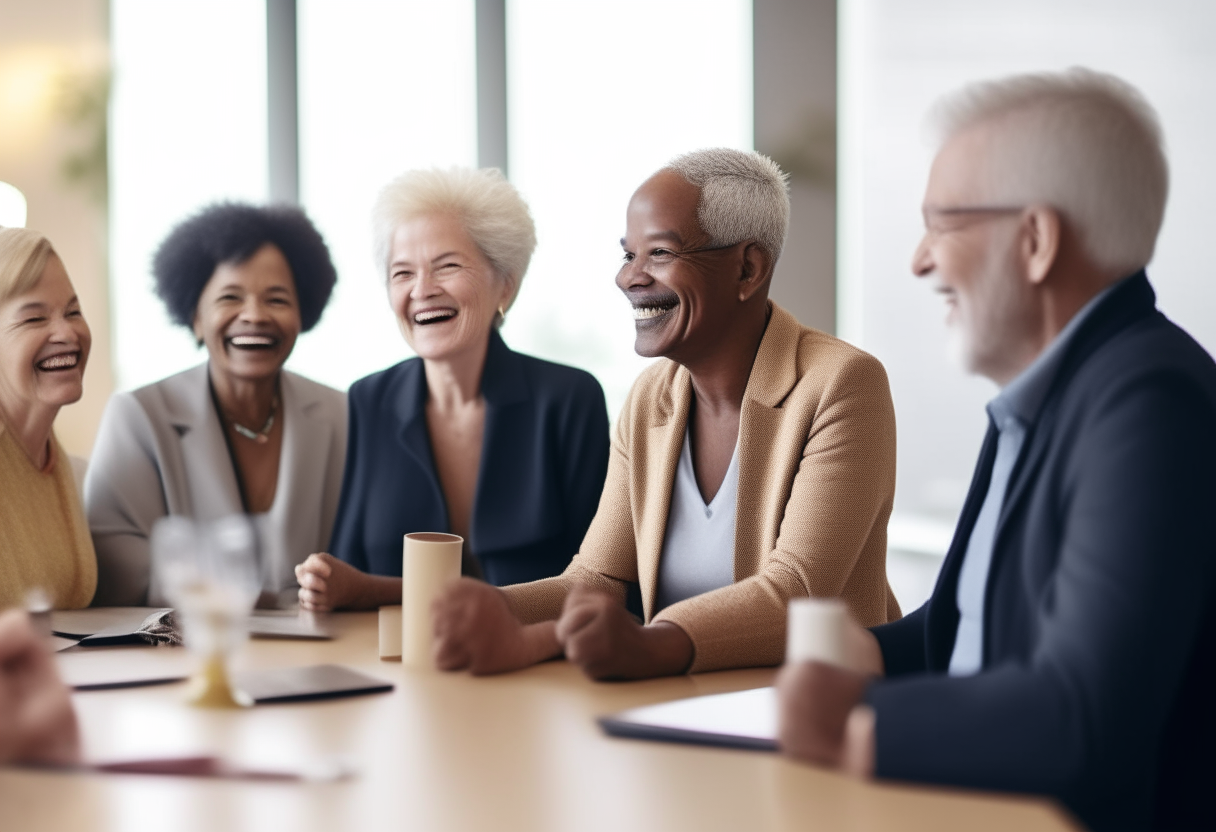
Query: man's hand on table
[
  {"x": 598, "y": 634},
  {"x": 475, "y": 630},
  {"x": 821, "y": 718},
  {"x": 37, "y": 722}
]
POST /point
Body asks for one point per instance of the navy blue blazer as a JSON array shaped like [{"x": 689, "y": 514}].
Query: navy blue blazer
[
  {"x": 543, "y": 461},
  {"x": 1098, "y": 684}
]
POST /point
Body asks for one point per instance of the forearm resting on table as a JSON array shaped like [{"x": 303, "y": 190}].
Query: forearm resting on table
[
  {"x": 378, "y": 591},
  {"x": 670, "y": 650},
  {"x": 540, "y": 641}
]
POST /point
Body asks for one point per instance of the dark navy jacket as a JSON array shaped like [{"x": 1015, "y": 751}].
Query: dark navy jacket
[
  {"x": 1098, "y": 684},
  {"x": 543, "y": 462}
]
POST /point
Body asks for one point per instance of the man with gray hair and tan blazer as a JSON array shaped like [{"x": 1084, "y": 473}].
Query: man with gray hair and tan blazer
[{"x": 752, "y": 464}]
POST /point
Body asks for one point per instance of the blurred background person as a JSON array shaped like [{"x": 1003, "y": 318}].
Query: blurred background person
[
  {"x": 505, "y": 450},
  {"x": 237, "y": 433},
  {"x": 44, "y": 348},
  {"x": 37, "y": 722}
]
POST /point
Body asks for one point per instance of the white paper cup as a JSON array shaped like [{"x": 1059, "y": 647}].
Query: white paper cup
[
  {"x": 815, "y": 631},
  {"x": 390, "y": 632},
  {"x": 430, "y": 561}
]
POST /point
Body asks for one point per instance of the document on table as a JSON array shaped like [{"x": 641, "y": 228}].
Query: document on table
[
  {"x": 299, "y": 684},
  {"x": 103, "y": 668},
  {"x": 745, "y": 719},
  {"x": 92, "y": 621},
  {"x": 108, "y": 626}
]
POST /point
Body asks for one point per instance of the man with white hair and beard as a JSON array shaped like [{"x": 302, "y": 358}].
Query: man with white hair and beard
[{"x": 1069, "y": 647}]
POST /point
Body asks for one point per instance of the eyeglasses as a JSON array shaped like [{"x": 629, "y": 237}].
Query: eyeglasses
[{"x": 978, "y": 211}]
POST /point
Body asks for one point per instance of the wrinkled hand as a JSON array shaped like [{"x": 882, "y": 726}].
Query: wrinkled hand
[
  {"x": 327, "y": 583},
  {"x": 475, "y": 630},
  {"x": 816, "y": 703},
  {"x": 861, "y": 650},
  {"x": 37, "y": 722},
  {"x": 598, "y": 634}
]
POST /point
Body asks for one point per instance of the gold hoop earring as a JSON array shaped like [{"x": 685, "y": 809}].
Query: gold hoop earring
[{"x": 502, "y": 315}]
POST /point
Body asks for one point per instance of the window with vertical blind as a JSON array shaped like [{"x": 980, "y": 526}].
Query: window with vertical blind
[{"x": 600, "y": 94}]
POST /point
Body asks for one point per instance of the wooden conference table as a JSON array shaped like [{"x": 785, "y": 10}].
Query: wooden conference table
[{"x": 452, "y": 752}]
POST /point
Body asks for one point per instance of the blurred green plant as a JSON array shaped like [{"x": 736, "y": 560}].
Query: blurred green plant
[{"x": 83, "y": 107}]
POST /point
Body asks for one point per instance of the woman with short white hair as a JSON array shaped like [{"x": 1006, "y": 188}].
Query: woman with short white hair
[
  {"x": 44, "y": 347},
  {"x": 505, "y": 450}
]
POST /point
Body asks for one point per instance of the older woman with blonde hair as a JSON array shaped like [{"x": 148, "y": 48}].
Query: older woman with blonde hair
[
  {"x": 44, "y": 347},
  {"x": 508, "y": 451}
]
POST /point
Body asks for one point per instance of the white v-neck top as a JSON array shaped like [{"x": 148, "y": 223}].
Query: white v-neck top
[{"x": 699, "y": 543}]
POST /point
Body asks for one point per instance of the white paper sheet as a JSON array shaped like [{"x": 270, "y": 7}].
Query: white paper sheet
[{"x": 745, "y": 719}]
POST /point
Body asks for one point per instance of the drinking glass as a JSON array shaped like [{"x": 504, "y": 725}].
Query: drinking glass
[{"x": 209, "y": 574}]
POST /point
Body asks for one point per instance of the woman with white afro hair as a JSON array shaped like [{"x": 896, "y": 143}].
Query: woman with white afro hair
[{"x": 505, "y": 450}]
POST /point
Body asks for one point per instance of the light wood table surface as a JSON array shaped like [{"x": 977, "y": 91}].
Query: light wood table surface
[{"x": 451, "y": 752}]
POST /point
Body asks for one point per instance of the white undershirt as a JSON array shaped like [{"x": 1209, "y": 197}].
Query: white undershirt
[{"x": 699, "y": 545}]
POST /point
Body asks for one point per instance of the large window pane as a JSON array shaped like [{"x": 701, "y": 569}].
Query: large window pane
[
  {"x": 187, "y": 127},
  {"x": 385, "y": 86},
  {"x": 600, "y": 95}
]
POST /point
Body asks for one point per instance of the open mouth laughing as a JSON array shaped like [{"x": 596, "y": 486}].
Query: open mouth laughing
[
  {"x": 651, "y": 311},
  {"x": 435, "y": 315},
  {"x": 59, "y": 362},
  {"x": 253, "y": 342}
]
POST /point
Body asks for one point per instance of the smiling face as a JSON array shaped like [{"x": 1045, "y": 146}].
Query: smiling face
[
  {"x": 249, "y": 316},
  {"x": 44, "y": 344},
  {"x": 442, "y": 288},
  {"x": 973, "y": 258},
  {"x": 684, "y": 293}
]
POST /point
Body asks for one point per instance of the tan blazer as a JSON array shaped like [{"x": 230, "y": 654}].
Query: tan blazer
[{"x": 816, "y": 481}]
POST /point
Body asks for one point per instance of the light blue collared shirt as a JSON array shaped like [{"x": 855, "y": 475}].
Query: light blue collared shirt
[{"x": 1012, "y": 413}]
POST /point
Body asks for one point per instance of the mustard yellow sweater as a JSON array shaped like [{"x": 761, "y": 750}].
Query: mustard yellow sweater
[{"x": 44, "y": 538}]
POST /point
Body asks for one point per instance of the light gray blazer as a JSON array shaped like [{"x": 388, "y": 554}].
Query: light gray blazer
[{"x": 160, "y": 450}]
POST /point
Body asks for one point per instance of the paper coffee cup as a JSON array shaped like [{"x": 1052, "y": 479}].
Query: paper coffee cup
[
  {"x": 390, "y": 632},
  {"x": 430, "y": 561},
  {"x": 815, "y": 631}
]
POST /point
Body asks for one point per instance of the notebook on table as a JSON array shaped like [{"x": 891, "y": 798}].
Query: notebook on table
[
  {"x": 301, "y": 684},
  {"x": 102, "y": 626},
  {"x": 110, "y": 626},
  {"x": 745, "y": 719}
]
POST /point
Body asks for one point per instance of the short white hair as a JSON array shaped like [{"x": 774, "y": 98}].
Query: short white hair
[
  {"x": 1086, "y": 143},
  {"x": 744, "y": 196},
  {"x": 491, "y": 210}
]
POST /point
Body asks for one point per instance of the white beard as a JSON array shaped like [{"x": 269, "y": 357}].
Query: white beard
[{"x": 988, "y": 335}]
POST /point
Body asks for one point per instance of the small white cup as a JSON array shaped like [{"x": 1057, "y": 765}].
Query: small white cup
[
  {"x": 390, "y": 632},
  {"x": 430, "y": 561},
  {"x": 815, "y": 631}
]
